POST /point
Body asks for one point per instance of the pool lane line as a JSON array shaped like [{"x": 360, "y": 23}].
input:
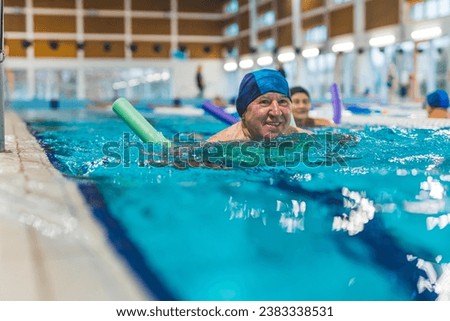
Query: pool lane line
[
  {"x": 119, "y": 239},
  {"x": 386, "y": 251}
]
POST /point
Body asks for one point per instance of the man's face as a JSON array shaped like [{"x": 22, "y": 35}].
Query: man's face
[{"x": 267, "y": 116}]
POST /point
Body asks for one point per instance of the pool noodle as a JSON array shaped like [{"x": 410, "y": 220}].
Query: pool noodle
[
  {"x": 219, "y": 113},
  {"x": 140, "y": 126},
  {"x": 337, "y": 103}
]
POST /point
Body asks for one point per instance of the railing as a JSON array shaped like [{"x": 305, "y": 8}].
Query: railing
[{"x": 2, "y": 81}]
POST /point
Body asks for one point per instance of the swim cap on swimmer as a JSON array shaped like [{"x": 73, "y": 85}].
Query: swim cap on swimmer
[
  {"x": 257, "y": 83},
  {"x": 438, "y": 99},
  {"x": 299, "y": 89}
]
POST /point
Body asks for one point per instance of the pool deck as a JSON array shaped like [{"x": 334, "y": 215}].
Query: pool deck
[{"x": 51, "y": 247}]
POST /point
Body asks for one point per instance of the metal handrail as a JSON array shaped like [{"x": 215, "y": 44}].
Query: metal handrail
[{"x": 2, "y": 82}]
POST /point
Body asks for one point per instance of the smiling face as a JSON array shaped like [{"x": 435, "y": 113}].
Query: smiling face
[
  {"x": 267, "y": 116},
  {"x": 301, "y": 105}
]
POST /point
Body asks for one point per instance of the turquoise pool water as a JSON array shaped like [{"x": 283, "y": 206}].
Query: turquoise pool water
[{"x": 363, "y": 218}]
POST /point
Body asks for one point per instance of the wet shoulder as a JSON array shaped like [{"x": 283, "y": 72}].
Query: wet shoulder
[{"x": 234, "y": 132}]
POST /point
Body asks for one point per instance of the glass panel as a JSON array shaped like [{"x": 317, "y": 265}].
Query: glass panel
[
  {"x": 417, "y": 11},
  {"x": 134, "y": 84},
  {"x": 441, "y": 68},
  {"x": 232, "y": 6},
  {"x": 266, "y": 19},
  {"x": 16, "y": 83},
  {"x": 56, "y": 84},
  {"x": 316, "y": 35},
  {"x": 431, "y": 9},
  {"x": 231, "y": 30},
  {"x": 267, "y": 45},
  {"x": 444, "y": 7},
  {"x": 320, "y": 71}
]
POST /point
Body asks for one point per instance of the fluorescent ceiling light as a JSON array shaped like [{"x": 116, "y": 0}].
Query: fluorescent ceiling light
[
  {"x": 120, "y": 85},
  {"x": 426, "y": 33},
  {"x": 230, "y": 66},
  {"x": 286, "y": 56},
  {"x": 165, "y": 75},
  {"x": 343, "y": 47},
  {"x": 133, "y": 82},
  {"x": 310, "y": 52},
  {"x": 264, "y": 61},
  {"x": 152, "y": 77},
  {"x": 246, "y": 63},
  {"x": 382, "y": 41},
  {"x": 149, "y": 78}
]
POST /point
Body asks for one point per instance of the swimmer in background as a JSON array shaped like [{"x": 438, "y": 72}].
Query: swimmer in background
[
  {"x": 437, "y": 104},
  {"x": 301, "y": 105},
  {"x": 264, "y": 105},
  {"x": 199, "y": 81},
  {"x": 219, "y": 102},
  {"x": 176, "y": 102}
]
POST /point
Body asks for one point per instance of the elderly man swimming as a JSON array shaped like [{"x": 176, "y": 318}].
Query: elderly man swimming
[{"x": 264, "y": 104}]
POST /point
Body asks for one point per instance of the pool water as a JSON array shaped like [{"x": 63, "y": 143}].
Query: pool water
[{"x": 362, "y": 216}]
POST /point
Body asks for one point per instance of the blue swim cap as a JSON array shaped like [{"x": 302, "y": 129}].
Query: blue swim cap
[
  {"x": 257, "y": 83},
  {"x": 438, "y": 99}
]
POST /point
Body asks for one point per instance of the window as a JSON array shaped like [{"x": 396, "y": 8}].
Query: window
[
  {"x": 430, "y": 9},
  {"x": 444, "y": 7},
  {"x": 267, "y": 45},
  {"x": 267, "y": 19},
  {"x": 320, "y": 72},
  {"x": 417, "y": 11},
  {"x": 231, "y": 30},
  {"x": 134, "y": 83},
  {"x": 56, "y": 84},
  {"x": 316, "y": 34},
  {"x": 341, "y": 1},
  {"x": 16, "y": 81},
  {"x": 232, "y": 6}
]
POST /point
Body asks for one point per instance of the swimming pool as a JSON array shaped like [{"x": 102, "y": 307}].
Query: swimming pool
[{"x": 361, "y": 219}]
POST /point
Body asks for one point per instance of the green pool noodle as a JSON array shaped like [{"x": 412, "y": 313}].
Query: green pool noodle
[{"x": 140, "y": 126}]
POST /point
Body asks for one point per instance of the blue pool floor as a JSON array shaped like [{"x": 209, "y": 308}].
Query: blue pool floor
[{"x": 50, "y": 246}]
